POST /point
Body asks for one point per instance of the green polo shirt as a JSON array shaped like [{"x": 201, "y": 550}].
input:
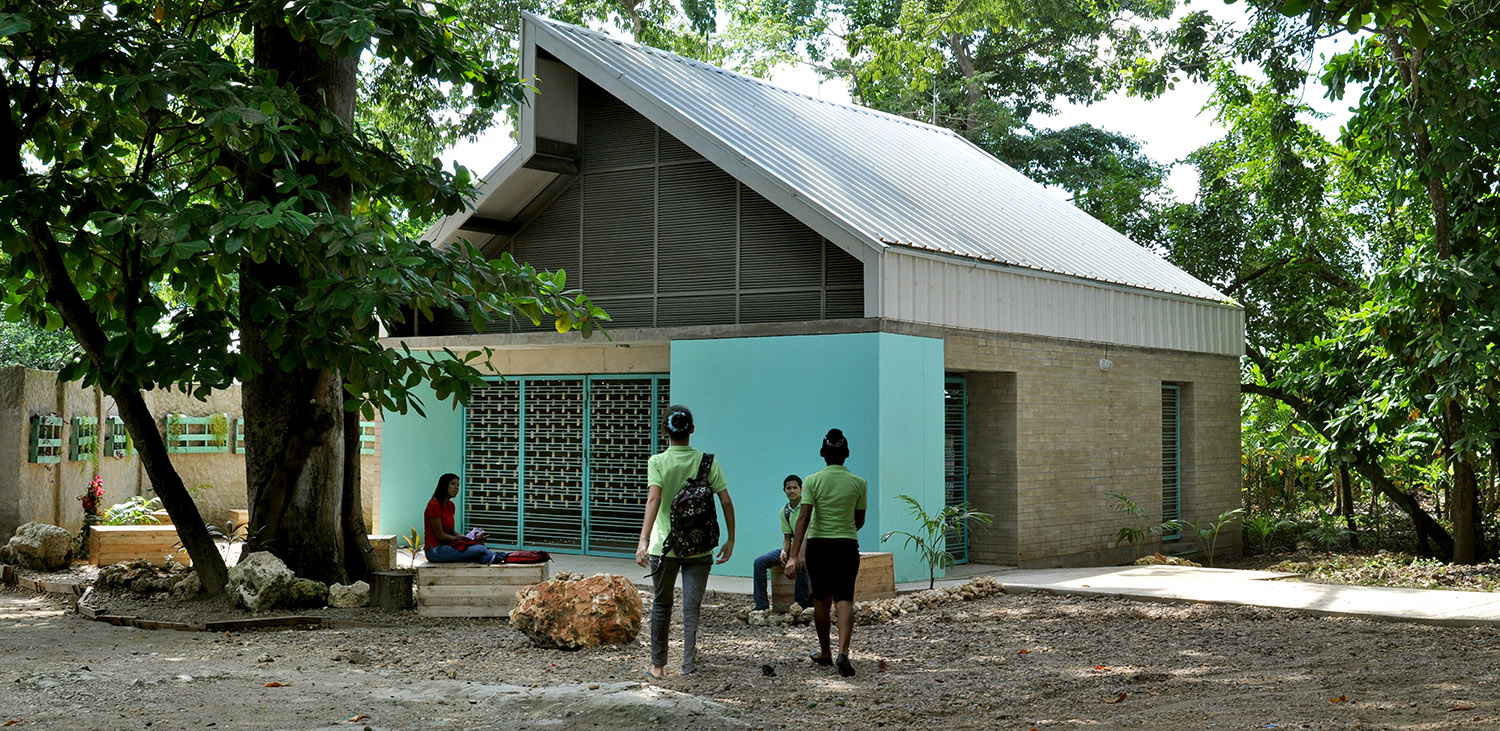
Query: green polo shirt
[
  {"x": 789, "y": 517},
  {"x": 834, "y": 494},
  {"x": 671, "y": 470}
]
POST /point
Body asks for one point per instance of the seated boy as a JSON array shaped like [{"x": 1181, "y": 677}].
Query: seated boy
[{"x": 802, "y": 593}]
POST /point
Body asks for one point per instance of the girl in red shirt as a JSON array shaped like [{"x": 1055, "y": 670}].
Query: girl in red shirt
[{"x": 441, "y": 544}]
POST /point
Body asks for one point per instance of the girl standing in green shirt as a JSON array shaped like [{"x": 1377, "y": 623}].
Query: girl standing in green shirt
[
  {"x": 833, "y": 511},
  {"x": 666, "y": 474}
]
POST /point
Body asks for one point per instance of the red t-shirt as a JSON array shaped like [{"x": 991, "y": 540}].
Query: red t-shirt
[{"x": 444, "y": 512}]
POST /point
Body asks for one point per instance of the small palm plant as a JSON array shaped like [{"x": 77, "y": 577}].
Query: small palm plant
[
  {"x": 1208, "y": 536},
  {"x": 931, "y": 538},
  {"x": 1136, "y": 533},
  {"x": 411, "y": 543}
]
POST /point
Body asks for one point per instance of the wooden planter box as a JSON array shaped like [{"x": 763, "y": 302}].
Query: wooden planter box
[
  {"x": 385, "y": 551},
  {"x": 111, "y": 544},
  {"x": 473, "y": 590},
  {"x": 162, "y": 518},
  {"x": 876, "y": 580}
]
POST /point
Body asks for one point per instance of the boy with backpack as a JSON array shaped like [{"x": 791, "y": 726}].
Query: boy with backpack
[{"x": 678, "y": 534}]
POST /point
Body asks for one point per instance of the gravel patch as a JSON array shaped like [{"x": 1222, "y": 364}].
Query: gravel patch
[{"x": 1003, "y": 661}]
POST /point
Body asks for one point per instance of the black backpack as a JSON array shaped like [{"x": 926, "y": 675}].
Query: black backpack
[{"x": 695, "y": 521}]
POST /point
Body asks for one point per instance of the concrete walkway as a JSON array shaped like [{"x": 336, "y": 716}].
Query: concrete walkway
[{"x": 1168, "y": 584}]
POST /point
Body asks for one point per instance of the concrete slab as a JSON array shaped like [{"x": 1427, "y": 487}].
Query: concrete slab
[
  {"x": 1265, "y": 589},
  {"x": 1165, "y": 584}
]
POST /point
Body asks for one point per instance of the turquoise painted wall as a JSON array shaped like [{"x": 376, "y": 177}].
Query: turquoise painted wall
[
  {"x": 762, "y": 406},
  {"x": 415, "y": 450}
]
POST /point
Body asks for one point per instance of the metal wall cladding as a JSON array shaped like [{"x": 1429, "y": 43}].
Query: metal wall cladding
[
  {"x": 894, "y": 181},
  {"x": 614, "y": 135},
  {"x": 696, "y": 229},
  {"x": 619, "y": 230},
  {"x": 961, "y": 294}
]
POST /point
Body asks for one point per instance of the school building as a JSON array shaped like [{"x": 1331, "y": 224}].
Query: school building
[{"x": 783, "y": 265}]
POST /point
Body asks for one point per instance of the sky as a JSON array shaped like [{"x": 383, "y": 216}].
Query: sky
[{"x": 1169, "y": 127}]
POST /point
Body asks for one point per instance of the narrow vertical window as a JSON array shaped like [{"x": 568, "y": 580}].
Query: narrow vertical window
[
  {"x": 1171, "y": 455},
  {"x": 956, "y": 461}
]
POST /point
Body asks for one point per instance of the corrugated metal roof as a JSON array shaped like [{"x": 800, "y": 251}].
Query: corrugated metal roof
[{"x": 893, "y": 181}]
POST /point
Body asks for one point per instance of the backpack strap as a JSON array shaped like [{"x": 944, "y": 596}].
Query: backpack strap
[{"x": 704, "y": 465}]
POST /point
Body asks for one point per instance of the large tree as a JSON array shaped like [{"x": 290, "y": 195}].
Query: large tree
[
  {"x": 184, "y": 187},
  {"x": 1393, "y": 361}
]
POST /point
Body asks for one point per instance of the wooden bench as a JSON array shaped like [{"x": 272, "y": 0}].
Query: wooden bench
[
  {"x": 111, "y": 544},
  {"x": 471, "y": 589},
  {"x": 876, "y": 580}
]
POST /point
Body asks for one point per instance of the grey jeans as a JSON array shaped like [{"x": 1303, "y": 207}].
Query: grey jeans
[{"x": 694, "y": 582}]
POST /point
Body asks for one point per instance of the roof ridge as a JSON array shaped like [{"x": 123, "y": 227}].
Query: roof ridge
[{"x": 745, "y": 77}]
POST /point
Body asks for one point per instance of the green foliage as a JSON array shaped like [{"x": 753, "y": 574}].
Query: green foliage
[
  {"x": 1141, "y": 525},
  {"x": 26, "y": 344},
  {"x": 1328, "y": 532},
  {"x": 411, "y": 543},
  {"x": 1208, "y": 535},
  {"x": 135, "y": 511},
  {"x": 931, "y": 538},
  {"x": 1261, "y": 531},
  {"x": 133, "y": 179},
  {"x": 229, "y": 532}
]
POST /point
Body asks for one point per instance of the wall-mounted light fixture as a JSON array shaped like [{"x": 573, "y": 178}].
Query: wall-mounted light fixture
[{"x": 1106, "y": 364}]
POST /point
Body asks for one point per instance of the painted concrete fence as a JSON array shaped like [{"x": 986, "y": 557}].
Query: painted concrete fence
[{"x": 49, "y": 492}]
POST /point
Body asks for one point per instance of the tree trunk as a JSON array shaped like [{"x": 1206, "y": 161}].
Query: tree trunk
[
  {"x": 1429, "y": 531},
  {"x": 295, "y": 462},
  {"x": 64, "y": 296},
  {"x": 1346, "y": 503},
  {"x": 1427, "y": 528},
  {"x": 1463, "y": 500}
]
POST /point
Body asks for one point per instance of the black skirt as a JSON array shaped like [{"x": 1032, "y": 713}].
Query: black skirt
[{"x": 832, "y": 566}]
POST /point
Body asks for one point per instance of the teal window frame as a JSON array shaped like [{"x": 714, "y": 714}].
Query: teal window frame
[
  {"x": 1171, "y": 457},
  {"x": 956, "y": 460},
  {"x": 586, "y": 537}
]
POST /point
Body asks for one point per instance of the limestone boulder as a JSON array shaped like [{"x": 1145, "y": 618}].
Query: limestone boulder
[
  {"x": 348, "y": 596},
  {"x": 125, "y": 575},
  {"x": 307, "y": 593},
  {"x": 188, "y": 588},
  {"x": 1157, "y": 559},
  {"x": 572, "y": 613},
  {"x": 260, "y": 582},
  {"x": 41, "y": 546}
]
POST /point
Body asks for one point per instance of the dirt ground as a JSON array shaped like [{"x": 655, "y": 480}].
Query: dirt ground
[{"x": 1004, "y": 662}]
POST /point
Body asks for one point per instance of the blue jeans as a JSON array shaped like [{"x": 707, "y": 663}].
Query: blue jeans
[
  {"x": 448, "y": 554},
  {"x": 772, "y": 562}
]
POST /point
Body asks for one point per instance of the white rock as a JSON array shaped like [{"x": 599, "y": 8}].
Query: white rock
[
  {"x": 41, "y": 546},
  {"x": 349, "y": 595}
]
